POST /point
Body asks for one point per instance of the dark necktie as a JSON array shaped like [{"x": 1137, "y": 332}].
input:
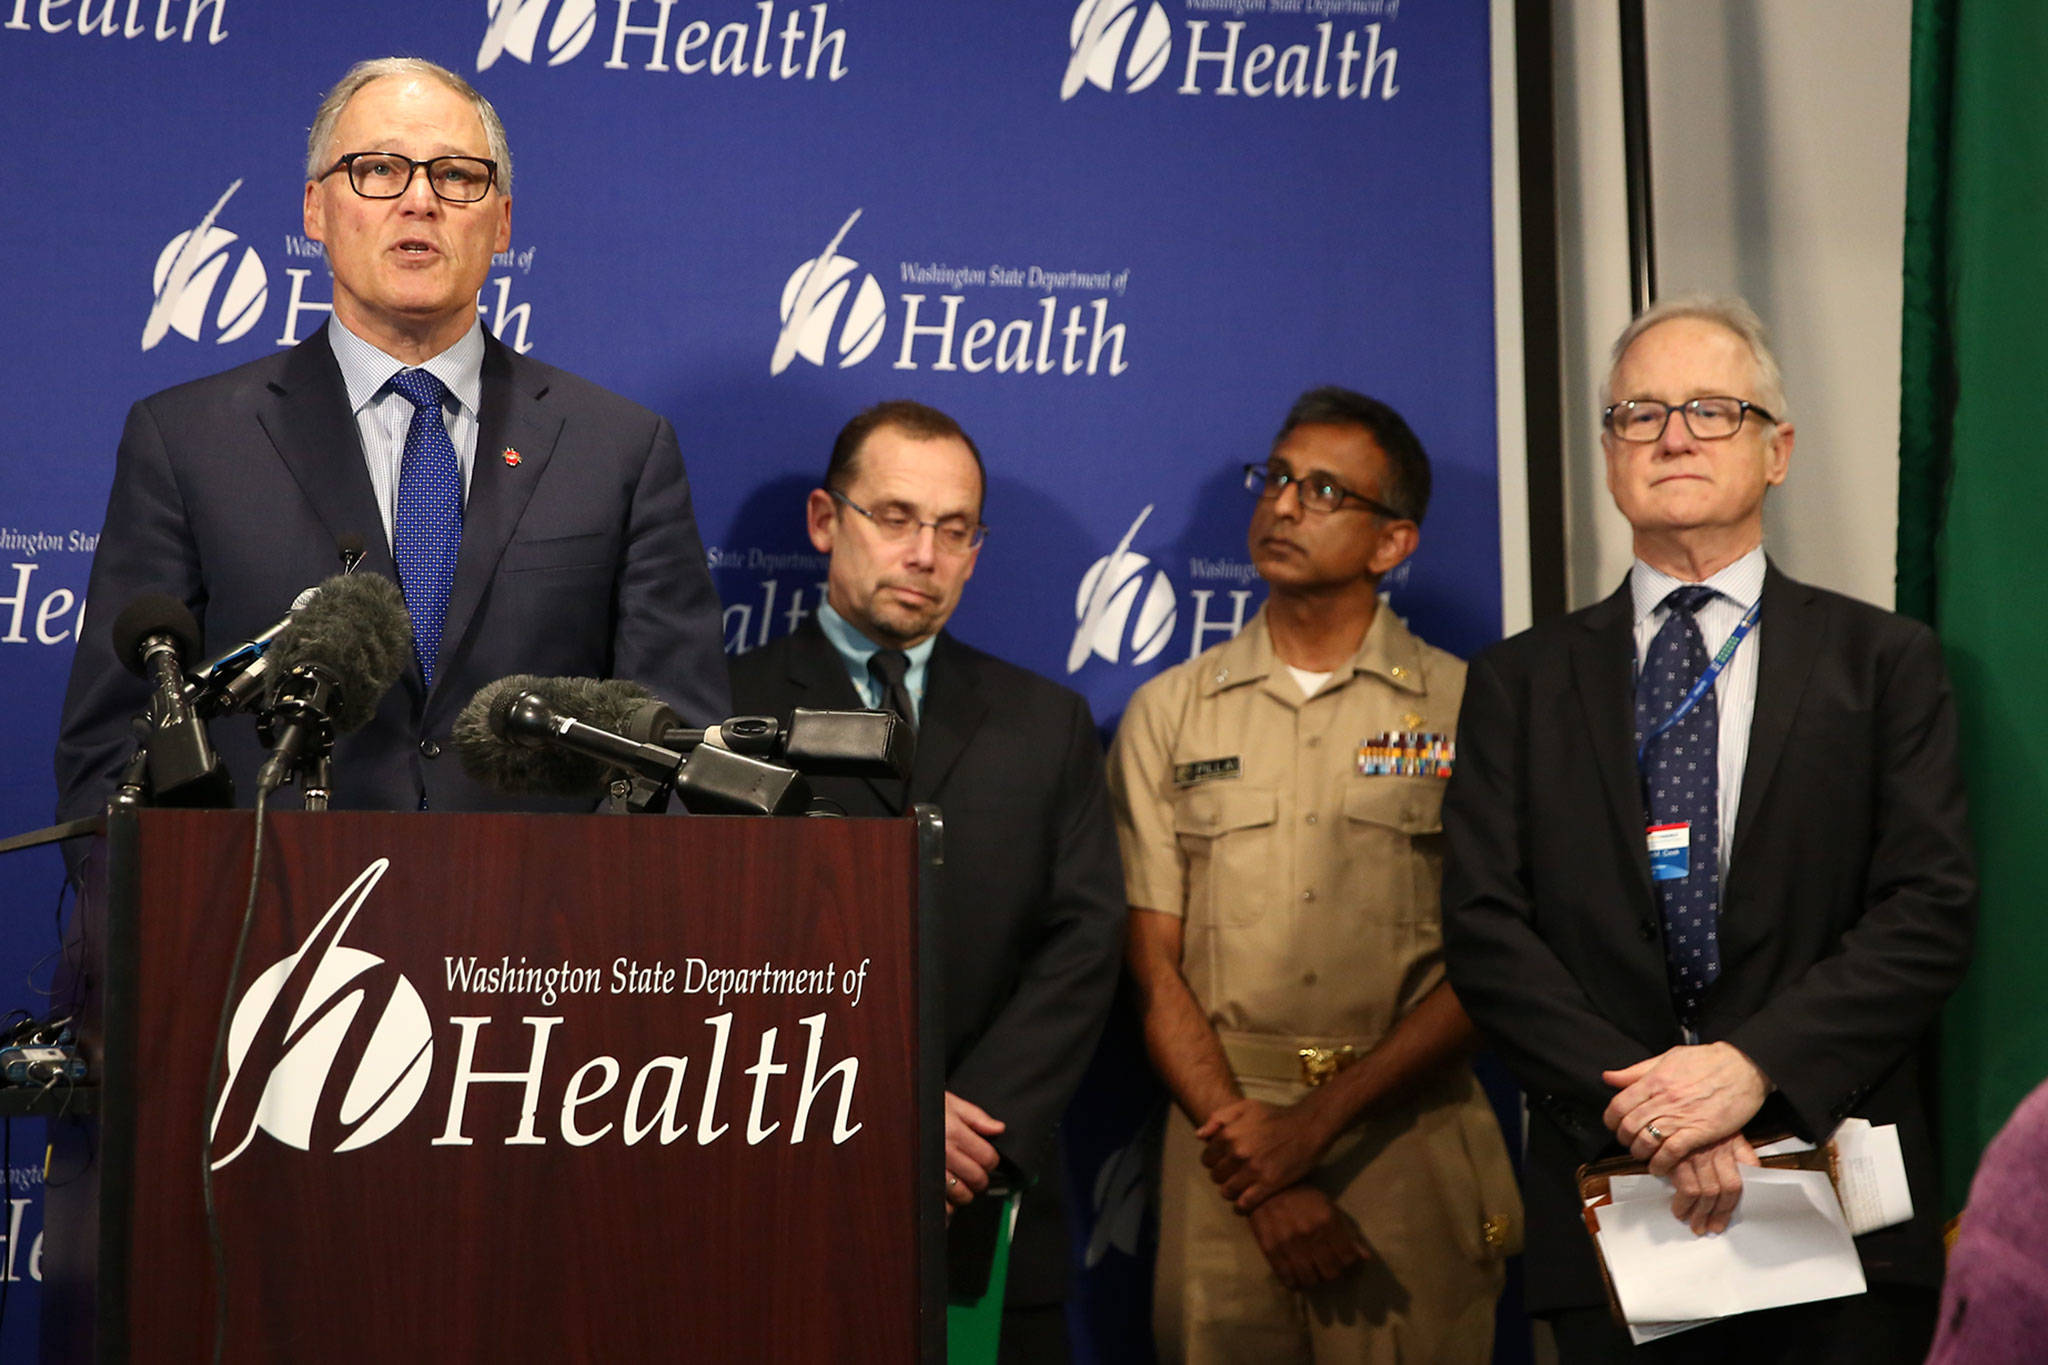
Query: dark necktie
[
  {"x": 889, "y": 668},
  {"x": 427, "y": 525},
  {"x": 1681, "y": 774}
]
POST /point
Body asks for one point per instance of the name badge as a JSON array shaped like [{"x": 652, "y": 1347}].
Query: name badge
[
  {"x": 1207, "y": 770},
  {"x": 1670, "y": 851}
]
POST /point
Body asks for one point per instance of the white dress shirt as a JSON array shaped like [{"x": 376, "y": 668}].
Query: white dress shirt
[{"x": 1736, "y": 586}]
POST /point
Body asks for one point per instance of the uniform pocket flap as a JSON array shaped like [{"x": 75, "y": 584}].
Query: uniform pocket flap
[
  {"x": 1412, "y": 805},
  {"x": 1207, "y": 812}
]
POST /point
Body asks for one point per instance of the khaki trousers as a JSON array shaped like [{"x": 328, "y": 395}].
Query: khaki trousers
[{"x": 1412, "y": 1185}]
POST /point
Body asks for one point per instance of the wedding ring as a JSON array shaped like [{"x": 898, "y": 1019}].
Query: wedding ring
[{"x": 1656, "y": 1132}]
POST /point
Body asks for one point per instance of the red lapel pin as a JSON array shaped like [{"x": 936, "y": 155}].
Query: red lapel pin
[{"x": 511, "y": 457}]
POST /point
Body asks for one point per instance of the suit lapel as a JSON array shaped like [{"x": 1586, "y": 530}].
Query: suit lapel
[
  {"x": 311, "y": 425},
  {"x": 512, "y": 419},
  {"x": 1788, "y": 643},
  {"x": 953, "y": 711},
  {"x": 309, "y": 422},
  {"x": 816, "y": 673},
  {"x": 1603, "y": 666}
]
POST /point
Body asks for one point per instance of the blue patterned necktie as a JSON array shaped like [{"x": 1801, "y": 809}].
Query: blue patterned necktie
[
  {"x": 1681, "y": 774},
  {"x": 427, "y": 526}
]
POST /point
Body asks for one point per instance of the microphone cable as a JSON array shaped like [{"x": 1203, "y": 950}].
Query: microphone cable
[{"x": 215, "y": 1245}]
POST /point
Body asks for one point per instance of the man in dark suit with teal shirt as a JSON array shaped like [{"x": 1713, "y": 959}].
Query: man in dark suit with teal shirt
[
  {"x": 535, "y": 522},
  {"x": 1708, "y": 878},
  {"x": 1032, "y": 898}
]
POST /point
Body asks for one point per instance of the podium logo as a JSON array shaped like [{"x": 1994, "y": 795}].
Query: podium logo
[
  {"x": 813, "y": 302},
  {"x": 1112, "y": 587},
  {"x": 304, "y": 1018},
  {"x": 1100, "y": 36},
  {"x": 515, "y": 27},
  {"x": 188, "y": 272}
]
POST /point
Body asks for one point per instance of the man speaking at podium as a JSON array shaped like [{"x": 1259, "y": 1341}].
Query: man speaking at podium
[
  {"x": 1032, "y": 895},
  {"x": 535, "y": 522}
]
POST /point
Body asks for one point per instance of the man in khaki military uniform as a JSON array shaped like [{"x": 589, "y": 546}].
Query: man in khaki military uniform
[{"x": 1341, "y": 1191}]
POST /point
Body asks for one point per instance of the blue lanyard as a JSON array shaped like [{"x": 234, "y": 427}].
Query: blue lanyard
[{"x": 1706, "y": 679}]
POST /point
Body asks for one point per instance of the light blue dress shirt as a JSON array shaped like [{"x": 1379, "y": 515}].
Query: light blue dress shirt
[
  {"x": 855, "y": 649},
  {"x": 382, "y": 414}
]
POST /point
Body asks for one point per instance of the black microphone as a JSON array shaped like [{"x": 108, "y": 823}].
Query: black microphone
[
  {"x": 584, "y": 716},
  {"x": 816, "y": 743},
  {"x": 153, "y": 636},
  {"x": 239, "y": 678},
  {"x": 337, "y": 656},
  {"x": 565, "y": 740}
]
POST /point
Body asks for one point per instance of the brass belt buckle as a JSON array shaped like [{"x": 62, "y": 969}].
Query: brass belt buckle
[{"x": 1318, "y": 1064}]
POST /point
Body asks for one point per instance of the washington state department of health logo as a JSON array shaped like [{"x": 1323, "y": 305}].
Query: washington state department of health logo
[
  {"x": 1101, "y": 36},
  {"x": 188, "y": 277},
  {"x": 818, "y": 320},
  {"x": 296, "y": 1018},
  {"x": 514, "y": 27},
  {"x": 1119, "y": 606}
]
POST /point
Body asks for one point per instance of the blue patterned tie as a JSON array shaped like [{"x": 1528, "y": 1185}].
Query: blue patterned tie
[
  {"x": 1681, "y": 775},
  {"x": 427, "y": 526}
]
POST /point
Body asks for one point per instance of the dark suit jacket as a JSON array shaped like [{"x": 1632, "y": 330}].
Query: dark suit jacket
[
  {"x": 581, "y": 560},
  {"x": 1847, "y": 905},
  {"x": 1033, "y": 898}
]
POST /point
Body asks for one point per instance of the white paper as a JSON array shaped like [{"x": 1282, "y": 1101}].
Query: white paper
[
  {"x": 1786, "y": 1243},
  {"x": 1872, "y": 1176},
  {"x": 1640, "y": 1332},
  {"x": 1785, "y": 1146},
  {"x": 1624, "y": 1187}
]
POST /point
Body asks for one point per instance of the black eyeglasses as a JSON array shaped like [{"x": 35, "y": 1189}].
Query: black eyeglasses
[
  {"x": 1318, "y": 491},
  {"x": 387, "y": 175},
  {"x": 955, "y": 535},
  {"x": 1643, "y": 420}
]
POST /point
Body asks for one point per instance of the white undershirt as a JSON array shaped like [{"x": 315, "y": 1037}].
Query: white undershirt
[{"x": 1310, "y": 683}]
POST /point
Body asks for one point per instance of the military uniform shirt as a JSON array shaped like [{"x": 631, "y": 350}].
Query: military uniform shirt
[{"x": 1308, "y": 886}]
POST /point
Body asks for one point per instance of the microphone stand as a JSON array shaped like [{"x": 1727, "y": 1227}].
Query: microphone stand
[
  {"x": 318, "y": 769},
  {"x": 300, "y": 734}
]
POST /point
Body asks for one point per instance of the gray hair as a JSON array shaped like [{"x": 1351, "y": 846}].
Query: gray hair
[
  {"x": 319, "y": 154},
  {"x": 1727, "y": 312}
]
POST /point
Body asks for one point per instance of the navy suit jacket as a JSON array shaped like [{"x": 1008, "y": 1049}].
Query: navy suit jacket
[
  {"x": 1847, "y": 907},
  {"x": 581, "y": 559},
  {"x": 1033, "y": 897}
]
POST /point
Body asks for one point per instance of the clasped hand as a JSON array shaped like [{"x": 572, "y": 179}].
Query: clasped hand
[
  {"x": 1682, "y": 1111},
  {"x": 1257, "y": 1149}
]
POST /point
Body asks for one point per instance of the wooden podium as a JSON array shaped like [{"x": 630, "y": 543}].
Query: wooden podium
[{"x": 505, "y": 1088}]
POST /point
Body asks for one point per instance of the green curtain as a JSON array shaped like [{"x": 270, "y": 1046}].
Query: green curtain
[{"x": 1973, "y": 507}]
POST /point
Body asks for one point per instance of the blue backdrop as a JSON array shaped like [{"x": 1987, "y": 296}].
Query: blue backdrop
[{"x": 1113, "y": 238}]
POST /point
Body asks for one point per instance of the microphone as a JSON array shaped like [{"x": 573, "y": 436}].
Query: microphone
[
  {"x": 338, "y": 655},
  {"x": 505, "y": 733},
  {"x": 239, "y": 677},
  {"x": 153, "y": 636},
  {"x": 816, "y": 743},
  {"x": 524, "y": 756}
]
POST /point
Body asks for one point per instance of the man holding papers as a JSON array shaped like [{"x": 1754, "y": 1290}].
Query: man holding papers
[{"x": 1708, "y": 878}]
